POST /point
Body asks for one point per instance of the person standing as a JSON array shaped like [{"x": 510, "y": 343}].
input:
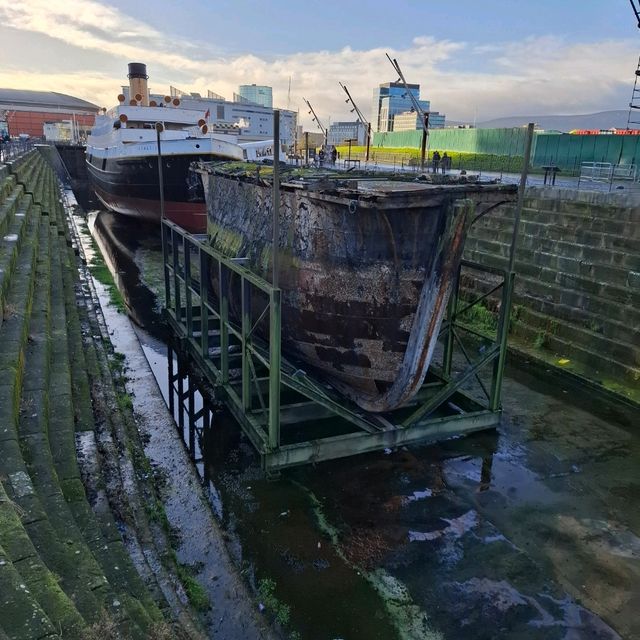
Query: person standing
[
  {"x": 435, "y": 161},
  {"x": 445, "y": 163}
]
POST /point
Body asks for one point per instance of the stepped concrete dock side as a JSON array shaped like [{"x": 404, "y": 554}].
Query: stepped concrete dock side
[{"x": 65, "y": 570}]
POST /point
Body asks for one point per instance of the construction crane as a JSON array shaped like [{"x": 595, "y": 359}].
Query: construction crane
[
  {"x": 417, "y": 108},
  {"x": 361, "y": 118},
  {"x": 316, "y": 120},
  {"x": 634, "y": 105},
  {"x": 635, "y": 5}
]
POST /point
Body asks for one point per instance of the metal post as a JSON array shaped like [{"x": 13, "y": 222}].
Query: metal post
[
  {"x": 186, "y": 250},
  {"x": 165, "y": 263},
  {"x": 505, "y": 307},
  {"x": 521, "y": 190},
  {"x": 452, "y": 305},
  {"x": 502, "y": 338},
  {"x": 246, "y": 355},
  {"x": 223, "y": 310},
  {"x": 368, "y": 141},
  {"x": 171, "y": 385},
  {"x": 159, "y": 130},
  {"x": 274, "y": 370},
  {"x": 204, "y": 301},
  {"x": 176, "y": 277},
  {"x": 190, "y": 414},
  {"x": 181, "y": 397},
  {"x": 423, "y": 146},
  {"x": 275, "y": 205},
  {"x": 306, "y": 147}
]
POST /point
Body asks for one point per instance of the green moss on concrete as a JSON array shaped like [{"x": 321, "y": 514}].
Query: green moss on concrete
[
  {"x": 195, "y": 591},
  {"x": 22, "y": 616},
  {"x": 101, "y": 273},
  {"x": 479, "y": 318},
  {"x": 409, "y": 620}
]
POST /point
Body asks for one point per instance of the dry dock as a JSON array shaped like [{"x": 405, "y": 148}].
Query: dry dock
[{"x": 528, "y": 531}]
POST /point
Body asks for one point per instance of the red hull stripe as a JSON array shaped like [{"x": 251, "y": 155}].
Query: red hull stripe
[{"x": 191, "y": 216}]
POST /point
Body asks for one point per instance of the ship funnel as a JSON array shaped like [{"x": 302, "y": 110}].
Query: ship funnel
[{"x": 138, "y": 82}]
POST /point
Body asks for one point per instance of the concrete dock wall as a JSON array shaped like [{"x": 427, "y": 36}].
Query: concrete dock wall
[{"x": 577, "y": 293}]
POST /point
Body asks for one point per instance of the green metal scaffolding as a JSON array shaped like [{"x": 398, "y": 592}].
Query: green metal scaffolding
[{"x": 290, "y": 417}]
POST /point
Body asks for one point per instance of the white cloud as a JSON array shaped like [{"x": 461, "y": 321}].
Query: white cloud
[
  {"x": 88, "y": 24},
  {"x": 534, "y": 76}
]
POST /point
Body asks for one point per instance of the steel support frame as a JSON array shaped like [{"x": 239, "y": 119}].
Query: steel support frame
[{"x": 212, "y": 339}]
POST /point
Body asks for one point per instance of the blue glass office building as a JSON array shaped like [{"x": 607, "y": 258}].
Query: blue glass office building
[{"x": 391, "y": 98}]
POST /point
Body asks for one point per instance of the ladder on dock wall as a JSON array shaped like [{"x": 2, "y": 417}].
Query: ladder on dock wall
[
  {"x": 633, "y": 120},
  {"x": 291, "y": 418}
]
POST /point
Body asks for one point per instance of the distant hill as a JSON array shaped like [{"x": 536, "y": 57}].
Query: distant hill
[{"x": 600, "y": 120}]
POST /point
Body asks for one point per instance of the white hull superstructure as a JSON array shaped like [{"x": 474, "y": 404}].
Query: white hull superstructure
[
  {"x": 122, "y": 160},
  {"x": 122, "y": 156}
]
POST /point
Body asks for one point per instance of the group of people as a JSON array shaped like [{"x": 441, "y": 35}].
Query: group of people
[
  {"x": 4, "y": 139},
  {"x": 440, "y": 162},
  {"x": 333, "y": 155}
]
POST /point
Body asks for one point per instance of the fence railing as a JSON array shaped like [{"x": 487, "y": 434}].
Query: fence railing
[
  {"x": 14, "y": 148},
  {"x": 607, "y": 173}
]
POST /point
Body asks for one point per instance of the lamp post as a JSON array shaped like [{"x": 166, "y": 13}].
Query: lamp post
[
  {"x": 159, "y": 130},
  {"x": 423, "y": 146},
  {"x": 350, "y": 141},
  {"x": 275, "y": 208}
]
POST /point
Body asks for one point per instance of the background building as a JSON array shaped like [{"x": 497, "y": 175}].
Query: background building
[
  {"x": 391, "y": 98},
  {"x": 26, "y": 112},
  {"x": 436, "y": 120},
  {"x": 257, "y": 120},
  {"x": 341, "y": 131},
  {"x": 257, "y": 93},
  {"x": 392, "y": 104},
  {"x": 410, "y": 120},
  {"x": 315, "y": 139}
]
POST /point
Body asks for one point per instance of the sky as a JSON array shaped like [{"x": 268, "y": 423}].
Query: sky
[{"x": 474, "y": 60}]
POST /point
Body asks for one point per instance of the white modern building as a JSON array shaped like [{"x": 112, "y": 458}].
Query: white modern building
[
  {"x": 410, "y": 121},
  {"x": 340, "y": 132},
  {"x": 257, "y": 93}
]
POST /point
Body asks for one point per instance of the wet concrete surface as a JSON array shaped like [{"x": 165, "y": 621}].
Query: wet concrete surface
[
  {"x": 530, "y": 531},
  {"x": 198, "y": 542}
]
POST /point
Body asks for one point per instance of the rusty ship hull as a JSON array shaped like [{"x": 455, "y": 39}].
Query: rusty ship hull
[{"x": 366, "y": 270}]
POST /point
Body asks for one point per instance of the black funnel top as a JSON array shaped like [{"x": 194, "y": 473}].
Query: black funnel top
[{"x": 137, "y": 70}]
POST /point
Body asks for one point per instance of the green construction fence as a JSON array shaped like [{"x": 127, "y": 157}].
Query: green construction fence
[{"x": 565, "y": 150}]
